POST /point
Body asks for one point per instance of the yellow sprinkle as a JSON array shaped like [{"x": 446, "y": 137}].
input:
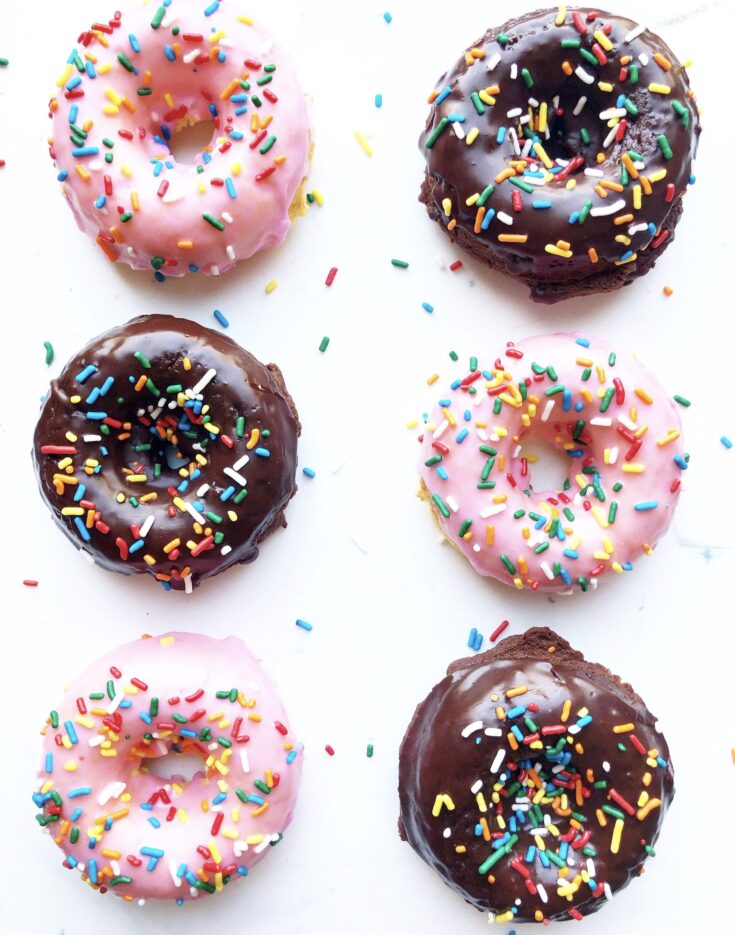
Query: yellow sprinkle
[
  {"x": 605, "y": 86},
  {"x": 472, "y": 136},
  {"x": 126, "y": 171},
  {"x": 247, "y": 20},
  {"x": 271, "y": 286},
  {"x": 670, "y": 436},
  {"x": 167, "y": 640},
  {"x": 544, "y": 156},
  {"x": 659, "y": 88},
  {"x": 616, "y": 835},
  {"x": 561, "y": 14},
  {"x": 603, "y": 40},
  {"x": 364, "y": 145},
  {"x": 633, "y": 468}
]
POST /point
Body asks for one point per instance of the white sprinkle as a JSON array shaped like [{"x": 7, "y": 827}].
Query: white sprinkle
[
  {"x": 452, "y": 504},
  {"x": 584, "y": 75},
  {"x": 505, "y": 218},
  {"x": 241, "y": 462},
  {"x": 440, "y": 430},
  {"x": 172, "y": 195},
  {"x": 613, "y": 456},
  {"x": 526, "y": 118},
  {"x": 194, "y": 513},
  {"x": 112, "y": 790},
  {"x": 242, "y": 481},
  {"x": 606, "y": 766},
  {"x": 493, "y": 510},
  {"x": 447, "y": 833},
  {"x": 214, "y": 269},
  {"x": 172, "y": 865},
  {"x": 599, "y": 420},
  {"x": 579, "y": 106},
  {"x": 97, "y": 740},
  {"x": 244, "y": 761},
  {"x": 115, "y": 703},
  {"x": 610, "y": 137},
  {"x": 146, "y": 527},
  {"x": 643, "y": 59},
  {"x": 608, "y": 891},
  {"x": 205, "y": 381},
  {"x": 493, "y": 62},
  {"x": 547, "y": 571},
  {"x": 630, "y": 425},
  {"x": 637, "y": 228},
  {"x": 634, "y": 33},
  {"x": 475, "y": 548},
  {"x": 513, "y": 71},
  {"x": 514, "y": 112},
  {"x": 239, "y": 847},
  {"x": 225, "y": 550},
  {"x": 226, "y": 216},
  {"x": 201, "y": 491},
  {"x": 493, "y": 732},
  {"x": 188, "y": 584},
  {"x": 188, "y": 58},
  {"x": 608, "y": 209},
  {"x": 595, "y": 173},
  {"x": 458, "y": 131},
  {"x": 471, "y": 728},
  {"x": 542, "y": 892},
  {"x": 612, "y": 112},
  {"x": 475, "y": 787},
  {"x": 230, "y": 251},
  {"x": 548, "y": 408},
  {"x": 498, "y": 761},
  {"x": 92, "y": 438}
]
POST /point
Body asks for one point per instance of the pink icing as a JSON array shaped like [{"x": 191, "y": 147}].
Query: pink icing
[
  {"x": 635, "y": 441},
  {"x": 147, "y": 219},
  {"x": 263, "y": 751}
]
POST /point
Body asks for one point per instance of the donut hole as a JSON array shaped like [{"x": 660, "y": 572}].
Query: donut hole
[
  {"x": 174, "y": 765},
  {"x": 146, "y": 453},
  {"x": 189, "y": 140},
  {"x": 548, "y": 466}
]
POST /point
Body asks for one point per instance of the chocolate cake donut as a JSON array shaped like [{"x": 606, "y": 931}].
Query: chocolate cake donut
[
  {"x": 166, "y": 448},
  {"x": 533, "y": 782},
  {"x": 558, "y": 149}
]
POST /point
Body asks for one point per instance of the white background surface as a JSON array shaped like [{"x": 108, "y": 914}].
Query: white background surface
[{"x": 387, "y": 620}]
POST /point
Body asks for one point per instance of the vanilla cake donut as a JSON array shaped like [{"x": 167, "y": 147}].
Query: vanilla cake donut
[{"x": 129, "y": 85}]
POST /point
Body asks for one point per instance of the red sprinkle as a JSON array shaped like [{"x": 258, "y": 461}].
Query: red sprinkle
[
  {"x": 498, "y": 630},
  {"x": 330, "y": 276},
  {"x": 330, "y": 749},
  {"x": 455, "y": 266},
  {"x": 30, "y": 582}
]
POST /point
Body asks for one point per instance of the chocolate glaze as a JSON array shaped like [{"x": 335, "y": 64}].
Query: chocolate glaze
[
  {"x": 457, "y": 171},
  {"x": 242, "y": 386},
  {"x": 436, "y": 759}
]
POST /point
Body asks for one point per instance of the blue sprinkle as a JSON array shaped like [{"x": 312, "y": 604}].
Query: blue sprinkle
[
  {"x": 212, "y": 8},
  {"x": 181, "y": 871},
  {"x": 567, "y": 400},
  {"x": 80, "y": 151},
  {"x": 692, "y": 179},
  {"x": 456, "y": 118},
  {"x": 564, "y": 573},
  {"x": 646, "y": 505},
  {"x": 136, "y": 546},
  {"x": 461, "y": 436},
  {"x": 583, "y": 342},
  {"x": 185, "y": 732},
  {"x": 221, "y": 57},
  {"x": 724, "y": 440},
  {"x": 291, "y": 756},
  {"x": 92, "y": 398},
  {"x": 213, "y": 112},
  {"x": 501, "y": 134},
  {"x": 235, "y": 135},
  {"x": 378, "y": 100},
  {"x": 134, "y": 44},
  {"x": 221, "y": 318},
  {"x": 540, "y": 204},
  {"x": 626, "y": 256},
  {"x": 79, "y": 495},
  {"x": 241, "y": 110},
  {"x": 517, "y": 711},
  {"x": 83, "y": 531},
  {"x": 387, "y": 17},
  {"x": 574, "y": 217},
  {"x": 570, "y": 553},
  {"x": 89, "y": 68},
  {"x": 256, "y": 799},
  {"x": 82, "y": 790},
  {"x": 627, "y": 566},
  {"x": 97, "y": 416},
  {"x": 74, "y": 83},
  {"x": 310, "y": 472},
  {"x": 73, "y": 112},
  {"x": 239, "y": 98},
  {"x": 144, "y": 716},
  {"x": 72, "y": 861},
  {"x": 427, "y": 307},
  {"x": 101, "y": 202},
  {"x": 86, "y": 373},
  {"x": 584, "y": 721},
  {"x": 76, "y": 814},
  {"x": 69, "y": 728},
  {"x": 152, "y": 852},
  {"x": 169, "y": 53},
  {"x": 263, "y": 452},
  {"x": 92, "y": 871},
  {"x": 442, "y": 472},
  {"x": 158, "y": 276},
  {"x": 304, "y": 625},
  {"x": 243, "y": 871},
  {"x": 218, "y": 799},
  {"x": 487, "y": 219},
  {"x": 49, "y": 764},
  {"x": 681, "y": 462},
  {"x": 62, "y": 176},
  {"x": 472, "y": 637},
  {"x": 230, "y": 186}
]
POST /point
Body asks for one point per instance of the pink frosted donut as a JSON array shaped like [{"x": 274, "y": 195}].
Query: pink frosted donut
[
  {"x": 127, "y": 88},
  {"x": 612, "y": 419},
  {"x": 143, "y": 837}
]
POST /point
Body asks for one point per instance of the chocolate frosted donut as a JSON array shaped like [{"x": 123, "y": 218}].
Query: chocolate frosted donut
[
  {"x": 533, "y": 782},
  {"x": 558, "y": 149},
  {"x": 166, "y": 448}
]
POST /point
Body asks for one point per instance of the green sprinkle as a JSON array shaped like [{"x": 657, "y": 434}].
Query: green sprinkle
[
  {"x": 269, "y": 144},
  {"x": 611, "y": 810},
  {"x": 584, "y": 134},
  {"x": 240, "y": 496},
  {"x": 493, "y": 859},
  {"x": 440, "y": 505},
  {"x": 158, "y": 18},
  {"x": 107, "y": 142},
  {"x": 180, "y": 719},
  {"x": 527, "y": 77},
  {"x": 511, "y": 568},
  {"x": 613, "y": 512},
  {"x": 502, "y": 38},
  {"x": 555, "y": 390},
  {"x": 214, "y": 222},
  {"x": 54, "y": 718},
  {"x": 571, "y": 43},
  {"x": 266, "y": 79},
  {"x": 153, "y": 710},
  {"x": 240, "y": 426},
  {"x": 401, "y": 264},
  {"x": 436, "y": 132},
  {"x": 141, "y": 358},
  {"x": 663, "y": 145},
  {"x": 630, "y": 107},
  {"x": 464, "y": 528},
  {"x": 74, "y": 835},
  {"x": 541, "y": 548},
  {"x": 144, "y": 92},
  {"x": 486, "y": 193},
  {"x": 612, "y": 358},
  {"x": 324, "y": 344},
  {"x": 454, "y": 355},
  {"x": 589, "y": 57},
  {"x": 682, "y": 112},
  {"x": 633, "y": 74},
  {"x": 370, "y": 750},
  {"x": 264, "y": 788},
  {"x": 479, "y": 106},
  {"x": 269, "y": 68},
  {"x": 519, "y": 183},
  {"x": 126, "y": 216},
  {"x": 586, "y": 374},
  {"x": 214, "y": 517},
  {"x": 607, "y": 399},
  {"x": 256, "y": 100},
  {"x": 125, "y": 62},
  {"x": 678, "y": 399},
  {"x": 108, "y": 157},
  {"x": 50, "y": 354},
  {"x": 4, "y": 62}
]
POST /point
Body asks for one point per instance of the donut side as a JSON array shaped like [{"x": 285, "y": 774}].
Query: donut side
[{"x": 455, "y": 774}]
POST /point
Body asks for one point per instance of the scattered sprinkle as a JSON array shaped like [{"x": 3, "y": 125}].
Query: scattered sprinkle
[
  {"x": 30, "y": 582},
  {"x": 271, "y": 286},
  {"x": 324, "y": 344},
  {"x": 378, "y": 100},
  {"x": 221, "y": 318},
  {"x": 364, "y": 145},
  {"x": 726, "y": 441},
  {"x": 388, "y": 17},
  {"x": 49, "y": 352},
  {"x": 330, "y": 749},
  {"x": 455, "y": 266},
  {"x": 330, "y": 276},
  {"x": 401, "y": 264},
  {"x": 370, "y": 750},
  {"x": 427, "y": 307},
  {"x": 501, "y": 628},
  {"x": 304, "y": 625},
  {"x": 667, "y": 290},
  {"x": 310, "y": 472}
]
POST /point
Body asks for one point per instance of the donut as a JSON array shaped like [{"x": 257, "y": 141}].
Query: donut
[
  {"x": 558, "y": 149},
  {"x": 607, "y": 415},
  {"x": 129, "y": 86},
  {"x": 165, "y": 448},
  {"x": 533, "y": 782},
  {"x": 140, "y": 835}
]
